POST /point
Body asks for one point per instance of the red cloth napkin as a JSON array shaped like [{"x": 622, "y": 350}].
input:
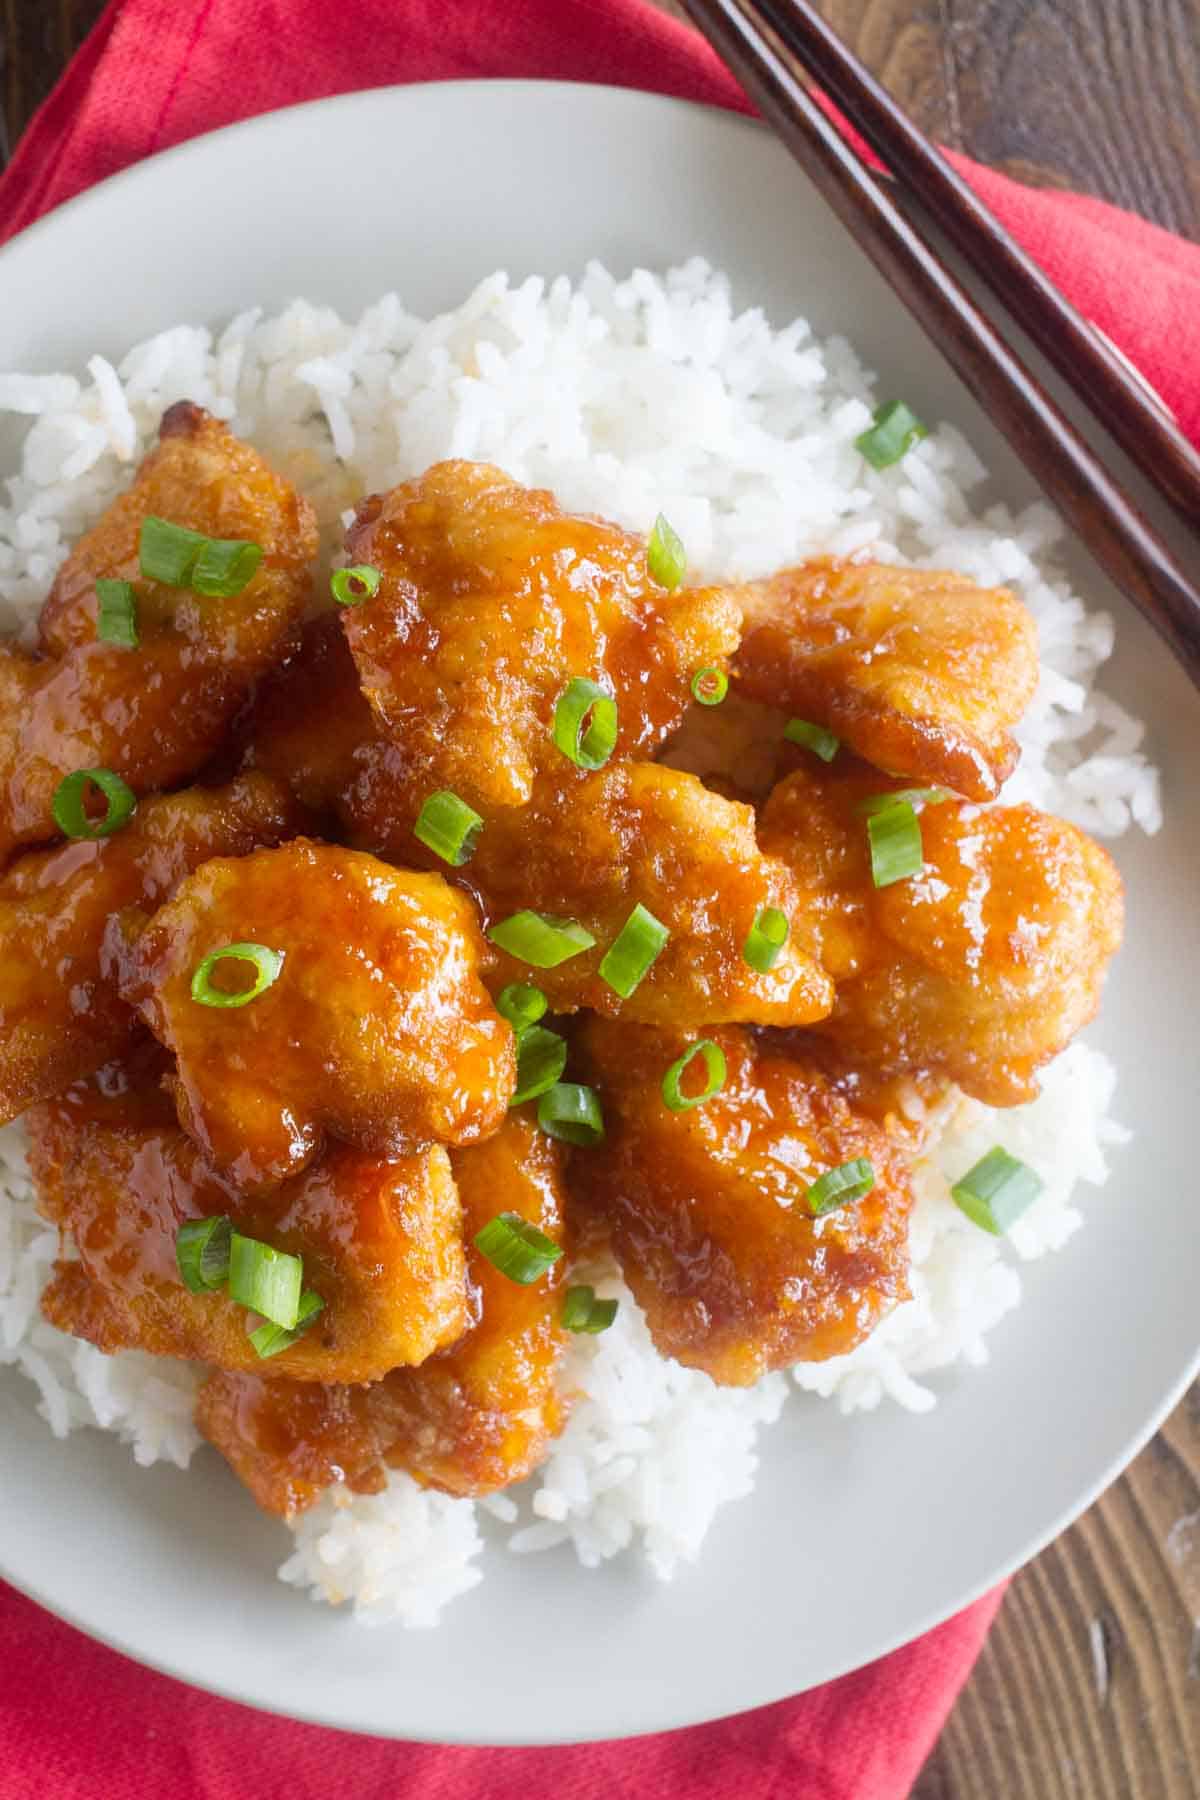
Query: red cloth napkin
[{"x": 77, "y": 1721}]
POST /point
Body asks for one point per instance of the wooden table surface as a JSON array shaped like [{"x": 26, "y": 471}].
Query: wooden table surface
[{"x": 1089, "y": 1687}]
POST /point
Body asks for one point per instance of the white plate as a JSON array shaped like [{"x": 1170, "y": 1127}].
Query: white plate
[{"x": 861, "y": 1533}]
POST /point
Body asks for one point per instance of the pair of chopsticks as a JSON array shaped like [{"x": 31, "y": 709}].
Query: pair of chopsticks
[{"x": 776, "y": 48}]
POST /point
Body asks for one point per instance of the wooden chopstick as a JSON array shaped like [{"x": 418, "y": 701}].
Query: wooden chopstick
[
  {"x": 1121, "y": 540},
  {"x": 1134, "y": 415}
]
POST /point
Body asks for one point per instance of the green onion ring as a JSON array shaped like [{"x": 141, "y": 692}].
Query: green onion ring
[
  {"x": 267, "y": 965},
  {"x": 120, "y": 803},
  {"x": 715, "y": 1072}
]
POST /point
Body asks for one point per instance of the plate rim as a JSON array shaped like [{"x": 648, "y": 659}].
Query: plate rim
[{"x": 112, "y": 1638}]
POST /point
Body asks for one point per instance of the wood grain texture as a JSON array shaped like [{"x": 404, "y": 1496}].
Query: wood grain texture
[
  {"x": 1089, "y": 1686},
  {"x": 37, "y": 40}
]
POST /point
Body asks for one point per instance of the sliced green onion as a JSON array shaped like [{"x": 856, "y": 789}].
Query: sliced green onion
[
  {"x": 116, "y": 614},
  {"x": 997, "y": 1191},
  {"x": 767, "y": 939},
  {"x": 270, "y": 1339},
  {"x": 521, "y": 1004},
  {"x": 877, "y": 803},
  {"x": 216, "y": 567},
  {"x": 168, "y": 552},
  {"x": 892, "y": 435},
  {"x": 448, "y": 826},
  {"x": 267, "y": 1281},
  {"x": 350, "y": 587},
  {"x": 583, "y": 1312},
  {"x": 666, "y": 557},
  {"x": 633, "y": 951},
  {"x": 224, "y": 567},
  {"x": 120, "y": 803},
  {"x": 710, "y": 685},
  {"x": 585, "y": 723},
  {"x": 517, "y": 1248},
  {"x": 822, "y": 743},
  {"x": 714, "y": 1080},
  {"x": 540, "y": 939},
  {"x": 266, "y": 964},
  {"x": 541, "y": 1059},
  {"x": 572, "y": 1113},
  {"x": 202, "y": 1252},
  {"x": 838, "y": 1187},
  {"x": 896, "y": 851}
]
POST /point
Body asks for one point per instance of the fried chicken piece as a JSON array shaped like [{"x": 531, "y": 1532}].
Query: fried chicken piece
[
  {"x": 287, "y": 1441},
  {"x": 60, "y": 1013},
  {"x": 920, "y": 671},
  {"x": 154, "y": 714},
  {"x": 381, "y": 1240},
  {"x": 311, "y": 726},
  {"x": 979, "y": 969},
  {"x": 492, "y": 600},
  {"x": 480, "y": 1416},
  {"x": 707, "y": 1207},
  {"x": 587, "y": 847},
  {"x": 911, "y": 1105},
  {"x": 643, "y": 834},
  {"x": 377, "y": 1029},
  {"x": 473, "y": 1419}
]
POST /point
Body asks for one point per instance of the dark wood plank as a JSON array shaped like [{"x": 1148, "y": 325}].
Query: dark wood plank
[
  {"x": 37, "y": 40},
  {"x": 1098, "y": 95},
  {"x": 1089, "y": 1687},
  {"x": 1101, "y": 95}
]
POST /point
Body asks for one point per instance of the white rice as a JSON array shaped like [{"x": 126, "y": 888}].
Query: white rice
[{"x": 626, "y": 397}]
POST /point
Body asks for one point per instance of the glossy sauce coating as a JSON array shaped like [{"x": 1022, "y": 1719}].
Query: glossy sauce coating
[
  {"x": 312, "y": 727},
  {"x": 492, "y": 600},
  {"x": 381, "y": 1240},
  {"x": 642, "y": 834},
  {"x": 911, "y": 1105},
  {"x": 378, "y": 1029},
  {"x": 480, "y": 1416},
  {"x": 920, "y": 671},
  {"x": 982, "y": 967},
  {"x": 60, "y": 1013},
  {"x": 153, "y": 714},
  {"x": 307, "y": 1115},
  {"x": 706, "y": 1207},
  {"x": 474, "y": 1418},
  {"x": 586, "y": 846},
  {"x": 287, "y": 1441}
]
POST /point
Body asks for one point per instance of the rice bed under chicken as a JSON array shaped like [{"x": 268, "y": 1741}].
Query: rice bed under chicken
[{"x": 626, "y": 398}]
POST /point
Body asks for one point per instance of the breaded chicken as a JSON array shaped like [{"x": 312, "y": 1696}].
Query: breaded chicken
[
  {"x": 377, "y": 1028},
  {"x": 912, "y": 1105},
  {"x": 920, "y": 671},
  {"x": 708, "y": 1212},
  {"x": 287, "y": 1441},
  {"x": 311, "y": 726},
  {"x": 643, "y": 834},
  {"x": 156, "y": 713},
  {"x": 60, "y": 1013},
  {"x": 381, "y": 1240},
  {"x": 471, "y": 1420},
  {"x": 982, "y": 967},
  {"x": 586, "y": 847},
  {"x": 480, "y": 1416},
  {"x": 492, "y": 600}
]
